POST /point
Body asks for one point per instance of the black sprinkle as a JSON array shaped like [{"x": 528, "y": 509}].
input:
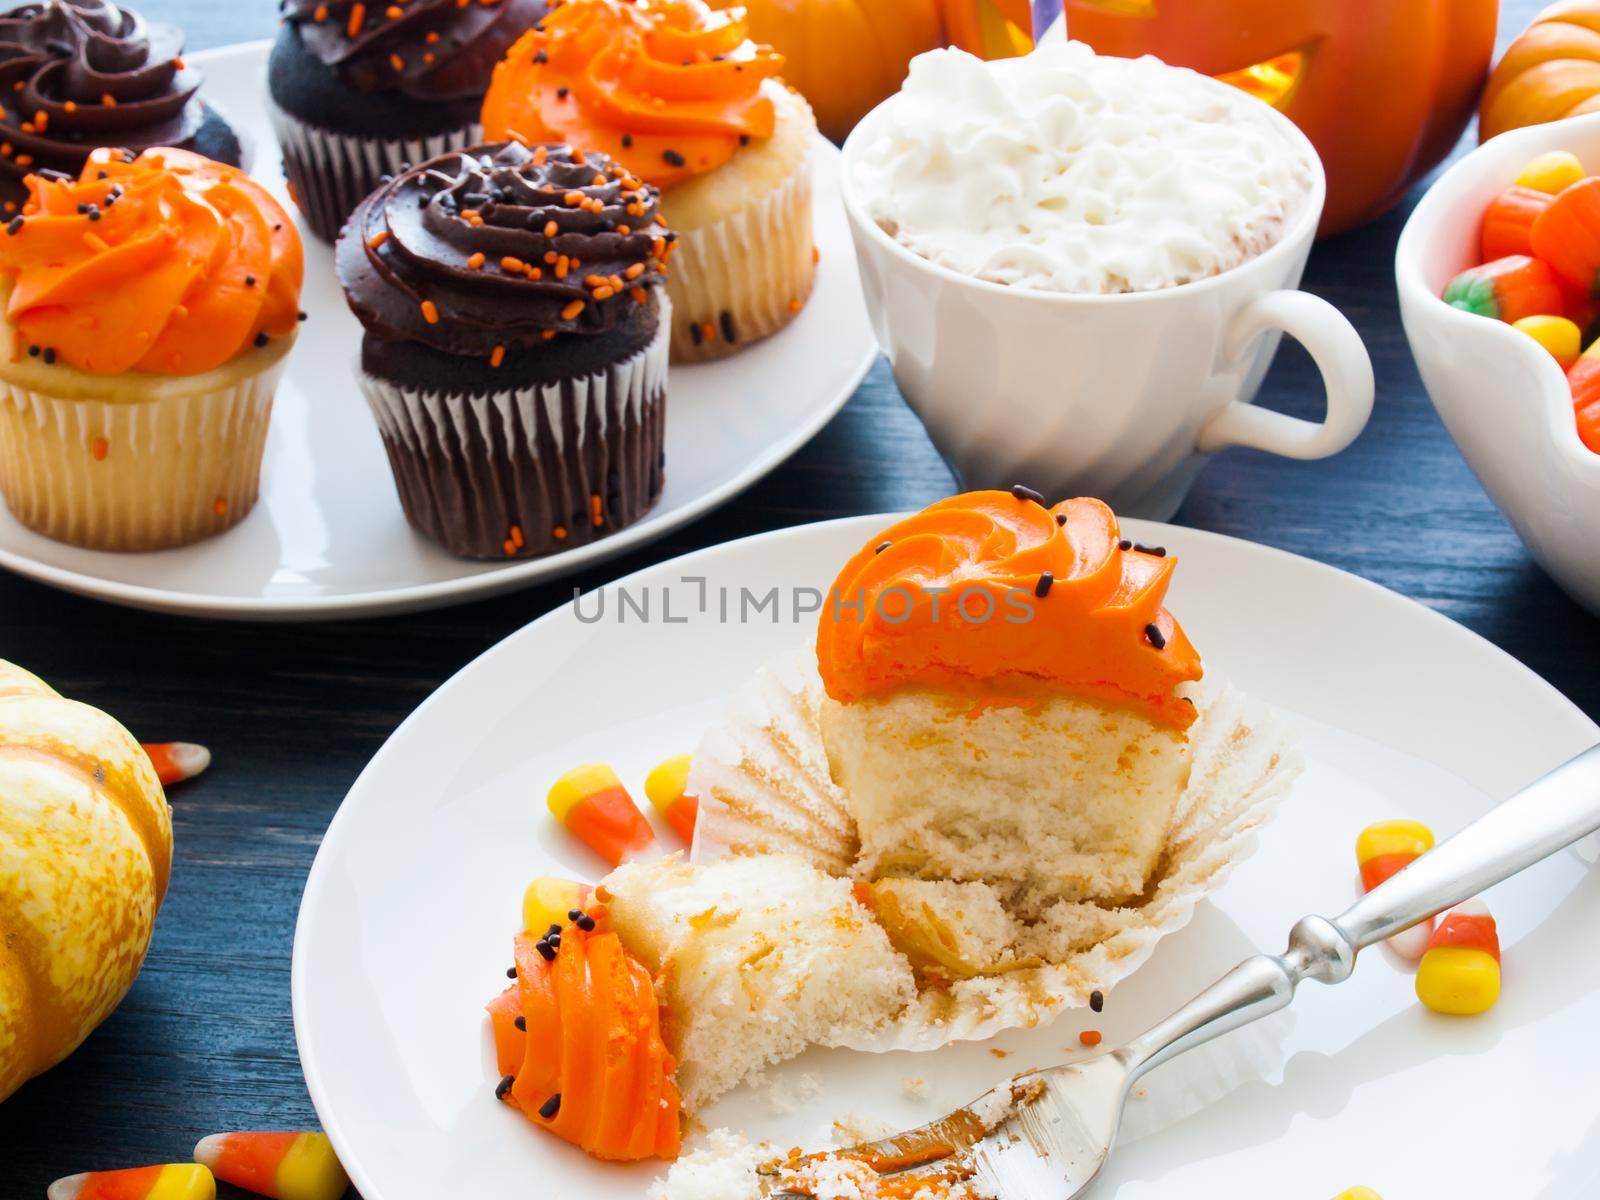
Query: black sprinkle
[
  {"x": 1097, "y": 1000},
  {"x": 1157, "y": 638},
  {"x": 1061, "y": 518},
  {"x": 103, "y": 175},
  {"x": 301, "y": 315},
  {"x": 1153, "y": 551},
  {"x": 545, "y": 952},
  {"x": 1124, "y": 544},
  {"x": 554, "y": 930},
  {"x": 511, "y": 972},
  {"x": 553, "y": 941},
  {"x": 728, "y": 333},
  {"x": 1026, "y": 493},
  {"x": 14, "y": 226},
  {"x": 673, "y": 158},
  {"x": 262, "y": 339},
  {"x": 550, "y": 1107},
  {"x": 540, "y": 57},
  {"x": 33, "y": 352},
  {"x": 249, "y": 281},
  {"x": 574, "y": 913},
  {"x": 585, "y": 923},
  {"x": 561, "y": 93},
  {"x": 744, "y": 139},
  {"x": 627, "y": 140},
  {"x": 504, "y": 1086},
  {"x": 521, "y": 1023},
  {"x": 882, "y": 546},
  {"x": 1042, "y": 588},
  {"x": 94, "y": 213},
  {"x": 695, "y": 335},
  {"x": 82, "y": 208},
  {"x": 49, "y": 355}
]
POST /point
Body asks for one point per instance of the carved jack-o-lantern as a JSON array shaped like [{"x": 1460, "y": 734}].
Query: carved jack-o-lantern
[{"x": 1382, "y": 89}]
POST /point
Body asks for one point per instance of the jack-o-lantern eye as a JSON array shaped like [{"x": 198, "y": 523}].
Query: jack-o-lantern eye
[
  {"x": 1126, "y": 8},
  {"x": 1273, "y": 80}
]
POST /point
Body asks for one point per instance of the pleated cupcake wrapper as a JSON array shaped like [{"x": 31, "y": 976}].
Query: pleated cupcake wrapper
[
  {"x": 762, "y": 778},
  {"x": 753, "y": 265},
  {"x": 469, "y": 467},
  {"x": 143, "y": 475},
  {"x": 331, "y": 172}
]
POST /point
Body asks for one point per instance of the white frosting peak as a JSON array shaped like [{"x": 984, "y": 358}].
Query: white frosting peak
[{"x": 1070, "y": 172}]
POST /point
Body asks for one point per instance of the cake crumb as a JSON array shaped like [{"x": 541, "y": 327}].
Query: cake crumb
[
  {"x": 999, "y": 1053},
  {"x": 914, "y": 1087}
]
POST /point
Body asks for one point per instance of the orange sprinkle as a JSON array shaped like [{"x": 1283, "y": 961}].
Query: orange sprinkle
[
  {"x": 540, "y": 153},
  {"x": 27, "y": 127},
  {"x": 320, "y": 13},
  {"x": 599, "y": 181},
  {"x": 572, "y": 310},
  {"x": 497, "y": 356},
  {"x": 639, "y": 295},
  {"x": 108, "y": 100},
  {"x": 516, "y": 536},
  {"x": 604, "y": 293},
  {"x": 550, "y": 257},
  {"x": 624, "y": 230},
  {"x": 378, "y": 238},
  {"x": 559, "y": 533},
  {"x": 550, "y": 229},
  {"x": 430, "y": 312},
  {"x": 512, "y": 265},
  {"x": 41, "y": 120},
  {"x": 816, "y": 255},
  {"x": 563, "y": 265},
  {"x": 358, "y": 18},
  {"x": 535, "y": 273},
  {"x": 398, "y": 63},
  {"x": 634, "y": 271},
  {"x": 577, "y": 156},
  {"x": 572, "y": 199},
  {"x": 24, "y": 160},
  {"x": 548, "y": 334},
  {"x": 796, "y": 305},
  {"x": 1089, "y": 1037},
  {"x": 178, "y": 62},
  {"x": 433, "y": 37},
  {"x": 71, "y": 106},
  {"x": 476, "y": 261},
  {"x": 219, "y": 506},
  {"x": 708, "y": 331},
  {"x": 99, "y": 448},
  {"x": 594, "y": 281},
  {"x": 509, "y": 547},
  {"x": 394, "y": 12},
  {"x": 427, "y": 57},
  {"x": 595, "y": 514}
]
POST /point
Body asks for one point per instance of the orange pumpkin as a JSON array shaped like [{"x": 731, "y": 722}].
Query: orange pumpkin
[
  {"x": 85, "y": 852},
  {"x": 1382, "y": 89},
  {"x": 845, "y": 56},
  {"x": 1551, "y": 71}
]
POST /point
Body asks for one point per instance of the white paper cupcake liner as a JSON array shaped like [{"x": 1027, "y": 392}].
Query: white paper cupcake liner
[
  {"x": 762, "y": 778},
  {"x": 746, "y": 275},
  {"x": 523, "y": 472},
  {"x": 135, "y": 475},
  {"x": 330, "y": 173}
]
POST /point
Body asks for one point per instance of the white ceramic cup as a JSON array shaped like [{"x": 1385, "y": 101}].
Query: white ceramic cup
[{"x": 1117, "y": 396}]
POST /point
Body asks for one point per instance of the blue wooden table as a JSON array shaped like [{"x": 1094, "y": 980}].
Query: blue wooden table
[{"x": 204, "y": 1042}]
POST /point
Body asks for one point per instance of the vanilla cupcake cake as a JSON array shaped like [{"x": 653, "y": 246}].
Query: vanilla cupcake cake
[{"x": 1064, "y": 171}]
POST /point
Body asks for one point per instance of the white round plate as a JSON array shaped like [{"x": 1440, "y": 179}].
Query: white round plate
[
  {"x": 406, "y": 925},
  {"x": 328, "y": 538}
]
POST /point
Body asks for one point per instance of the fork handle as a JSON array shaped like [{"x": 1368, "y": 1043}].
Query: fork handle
[{"x": 1546, "y": 816}]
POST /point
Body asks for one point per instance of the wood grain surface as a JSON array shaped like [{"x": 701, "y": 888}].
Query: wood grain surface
[{"x": 204, "y": 1042}]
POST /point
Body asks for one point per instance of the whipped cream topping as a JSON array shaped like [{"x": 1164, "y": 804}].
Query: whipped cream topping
[{"x": 1070, "y": 172}]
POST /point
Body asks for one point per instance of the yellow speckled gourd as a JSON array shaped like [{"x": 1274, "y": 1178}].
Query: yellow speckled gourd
[{"x": 85, "y": 854}]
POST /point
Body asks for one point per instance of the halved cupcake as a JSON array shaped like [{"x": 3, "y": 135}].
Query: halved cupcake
[
  {"x": 1006, "y": 699},
  {"x": 680, "y": 96},
  {"x": 149, "y": 306}
]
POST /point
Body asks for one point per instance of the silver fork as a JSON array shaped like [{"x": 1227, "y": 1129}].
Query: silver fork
[{"x": 1059, "y": 1123}]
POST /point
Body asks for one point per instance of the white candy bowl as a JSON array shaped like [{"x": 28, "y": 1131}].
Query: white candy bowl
[{"x": 1501, "y": 395}]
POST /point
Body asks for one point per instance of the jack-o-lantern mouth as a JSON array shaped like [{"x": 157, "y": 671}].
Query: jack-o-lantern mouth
[{"x": 1273, "y": 80}]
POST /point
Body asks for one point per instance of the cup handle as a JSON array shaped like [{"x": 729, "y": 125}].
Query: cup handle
[{"x": 1346, "y": 370}]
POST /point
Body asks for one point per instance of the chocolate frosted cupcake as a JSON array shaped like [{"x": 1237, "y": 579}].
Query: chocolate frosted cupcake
[
  {"x": 79, "y": 74},
  {"x": 516, "y": 344},
  {"x": 362, "y": 90}
]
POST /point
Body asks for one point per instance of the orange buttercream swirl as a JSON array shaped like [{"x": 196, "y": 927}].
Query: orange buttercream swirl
[
  {"x": 668, "y": 88},
  {"x": 167, "y": 263},
  {"x": 994, "y": 596}
]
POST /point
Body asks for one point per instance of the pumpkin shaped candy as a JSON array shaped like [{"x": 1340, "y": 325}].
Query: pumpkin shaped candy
[{"x": 85, "y": 854}]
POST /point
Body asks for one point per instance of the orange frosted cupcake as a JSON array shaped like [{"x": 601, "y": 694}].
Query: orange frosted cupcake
[
  {"x": 149, "y": 308},
  {"x": 679, "y": 95},
  {"x": 1007, "y": 699}
]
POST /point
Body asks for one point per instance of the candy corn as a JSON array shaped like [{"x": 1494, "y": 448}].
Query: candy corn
[
  {"x": 1567, "y": 236},
  {"x": 548, "y": 900},
  {"x": 1551, "y": 172},
  {"x": 177, "y": 761},
  {"x": 592, "y": 803},
  {"x": 174, "y": 1181},
  {"x": 1583, "y": 377},
  {"x": 1508, "y": 222},
  {"x": 664, "y": 787},
  {"x": 1558, "y": 335},
  {"x": 1384, "y": 849},
  {"x": 284, "y": 1166},
  {"x": 1508, "y": 288},
  {"x": 1358, "y": 1193},
  {"x": 1460, "y": 973}
]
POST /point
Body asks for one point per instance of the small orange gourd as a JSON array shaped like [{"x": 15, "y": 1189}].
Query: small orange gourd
[{"x": 1551, "y": 71}]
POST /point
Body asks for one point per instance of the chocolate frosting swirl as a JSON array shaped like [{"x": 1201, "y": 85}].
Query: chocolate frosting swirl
[
  {"x": 502, "y": 246},
  {"x": 98, "y": 75},
  {"x": 429, "y": 49}
]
